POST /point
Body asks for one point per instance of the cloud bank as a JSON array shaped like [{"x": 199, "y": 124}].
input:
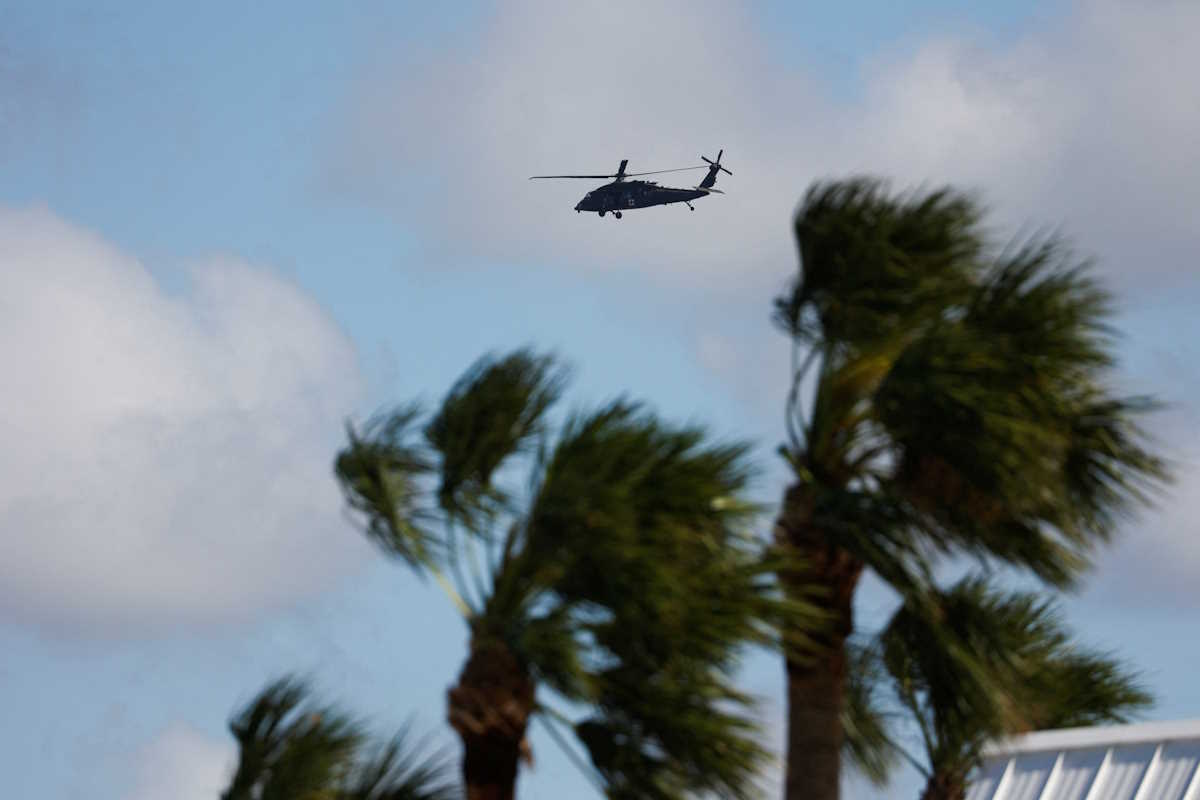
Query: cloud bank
[{"x": 165, "y": 455}]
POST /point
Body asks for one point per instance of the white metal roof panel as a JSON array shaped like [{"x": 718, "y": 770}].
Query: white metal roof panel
[
  {"x": 1076, "y": 773},
  {"x": 1028, "y": 775},
  {"x": 984, "y": 785},
  {"x": 1174, "y": 771},
  {"x": 1149, "y": 761},
  {"x": 1121, "y": 776}
]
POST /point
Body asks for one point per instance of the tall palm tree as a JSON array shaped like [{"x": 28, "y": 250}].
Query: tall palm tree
[
  {"x": 605, "y": 559},
  {"x": 290, "y": 749},
  {"x": 949, "y": 398},
  {"x": 968, "y": 666}
]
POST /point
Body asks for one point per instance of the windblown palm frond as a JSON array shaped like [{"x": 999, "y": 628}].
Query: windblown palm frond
[
  {"x": 401, "y": 770},
  {"x": 383, "y": 474},
  {"x": 867, "y": 724},
  {"x": 490, "y": 415},
  {"x": 1002, "y": 431},
  {"x": 873, "y": 263},
  {"x": 972, "y": 664},
  {"x": 291, "y": 750}
]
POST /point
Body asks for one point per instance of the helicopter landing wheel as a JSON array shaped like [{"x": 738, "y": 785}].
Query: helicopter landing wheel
[
  {"x": 601, "y": 213},
  {"x": 617, "y": 214}
]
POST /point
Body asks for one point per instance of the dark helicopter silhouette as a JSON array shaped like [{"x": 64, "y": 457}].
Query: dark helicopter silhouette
[{"x": 622, "y": 195}]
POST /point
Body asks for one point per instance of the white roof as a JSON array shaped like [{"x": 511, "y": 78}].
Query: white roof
[{"x": 1147, "y": 761}]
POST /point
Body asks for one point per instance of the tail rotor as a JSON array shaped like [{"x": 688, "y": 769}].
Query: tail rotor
[{"x": 713, "y": 168}]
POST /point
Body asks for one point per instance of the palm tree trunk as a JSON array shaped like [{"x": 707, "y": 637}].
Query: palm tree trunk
[
  {"x": 490, "y": 709},
  {"x": 816, "y": 683},
  {"x": 945, "y": 786}
]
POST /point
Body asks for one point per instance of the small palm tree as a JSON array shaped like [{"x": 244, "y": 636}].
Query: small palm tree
[
  {"x": 970, "y": 665},
  {"x": 613, "y": 568},
  {"x": 949, "y": 399},
  {"x": 289, "y": 749}
]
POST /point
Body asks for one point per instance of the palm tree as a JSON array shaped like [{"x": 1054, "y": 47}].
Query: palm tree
[
  {"x": 969, "y": 666},
  {"x": 948, "y": 399},
  {"x": 622, "y": 577},
  {"x": 289, "y": 749}
]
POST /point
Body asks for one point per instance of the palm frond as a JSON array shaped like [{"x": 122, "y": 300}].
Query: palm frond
[
  {"x": 672, "y": 732},
  {"x": 1082, "y": 688},
  {"x": 638, "y": 524},
  {"x": 871, "y": 263},
  {"x": 494, "y": 411},
  {"x": 403, "y": 770},
  {"x": 869, "y": 743},
  {"x": 383, "y": 474},
  {"x": 976, "y": 663},
  {"x": 1004, "y": 434},
  {"x": 289, "y": 749}
]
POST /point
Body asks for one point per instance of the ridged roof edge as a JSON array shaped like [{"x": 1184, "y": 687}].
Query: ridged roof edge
[{"x": 1107, "y": 736}]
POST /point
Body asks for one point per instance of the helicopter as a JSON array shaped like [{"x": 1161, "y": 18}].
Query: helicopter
[{"x": 622, "y": 195}]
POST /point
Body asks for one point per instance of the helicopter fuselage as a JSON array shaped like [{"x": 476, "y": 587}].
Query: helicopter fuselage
[{"x": 623, "y": 195}]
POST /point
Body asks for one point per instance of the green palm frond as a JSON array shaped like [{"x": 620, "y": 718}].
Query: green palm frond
[
  {"x": 872, "y": 264},
  {"x": 490, "y": 414},
  {"x": 383, "y": 473},
  {"x": 974, "y": 663},
  {"x": 401, "y": 770},
  {"x": 1003, "y": 432},
  {"x": 672, "y": 730},
  {"x": 869, "y": 743},
  {"x": 1078, "y": 689},
  {"x": 1109, "y": 467},
  {"x": 289, "y": 749},
  {"x": 620, "y": 482},
  {"x": 638, "y": 524}
]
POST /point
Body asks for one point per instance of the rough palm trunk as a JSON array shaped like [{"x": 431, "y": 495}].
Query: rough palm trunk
[
  {"x": 490, "y": 708},
  {"x": 816, "y": 684},
  {"x": 945, "y": 786}
]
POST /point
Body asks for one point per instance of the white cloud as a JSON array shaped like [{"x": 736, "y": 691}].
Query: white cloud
[
  {"x": 166, "y": 455},
  {"x": 1086, "y": 124},
  {"x": 183, "y": 763}
]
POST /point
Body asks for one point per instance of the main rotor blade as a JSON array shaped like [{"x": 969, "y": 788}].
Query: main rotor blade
[
  {"x": 658, "y": 171},
  {"x": 625, "y": 175},
  {"x": 535, "y": 177}
]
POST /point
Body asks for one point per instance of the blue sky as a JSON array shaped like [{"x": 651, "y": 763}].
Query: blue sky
[{"x": 225, "y": 228}]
